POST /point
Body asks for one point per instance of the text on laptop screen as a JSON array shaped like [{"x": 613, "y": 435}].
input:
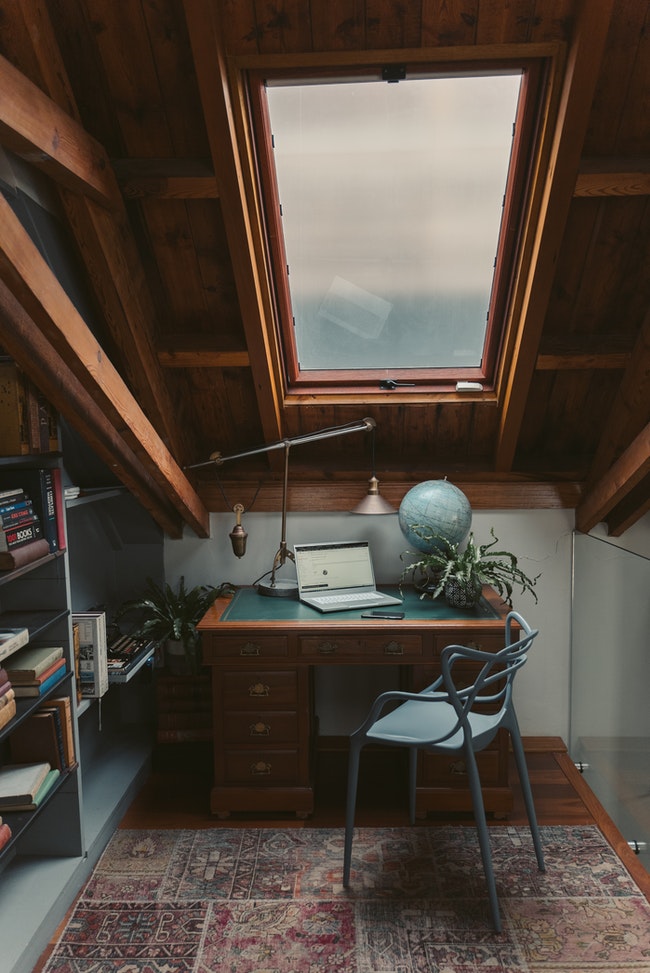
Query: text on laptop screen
[{"x": 333, "y": 566}]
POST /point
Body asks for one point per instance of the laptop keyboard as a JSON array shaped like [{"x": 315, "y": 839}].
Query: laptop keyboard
[{"x": 341, "y": 599}]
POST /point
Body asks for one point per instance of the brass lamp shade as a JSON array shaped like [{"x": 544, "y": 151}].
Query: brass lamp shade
[{"x": 373, "y": 502}]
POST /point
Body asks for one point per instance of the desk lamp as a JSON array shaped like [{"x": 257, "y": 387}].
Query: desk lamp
[{"x": 280, "y": 588}]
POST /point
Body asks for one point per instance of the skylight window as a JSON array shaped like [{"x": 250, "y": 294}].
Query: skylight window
[{"x": 391, "y": 208}]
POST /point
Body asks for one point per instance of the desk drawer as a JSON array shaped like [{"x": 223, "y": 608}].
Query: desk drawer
[
  {"x": 474, "y": 640},
  {"x": 266, "y": 727},
  {"x": 245, "y": 647},
  {"x": 253, "y": 689},
  {"x": 262, "y": 768},
  {"x": 374, "y": 648}
]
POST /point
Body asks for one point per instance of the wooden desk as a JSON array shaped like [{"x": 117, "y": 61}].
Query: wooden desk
[{"x": 262, "y": 652}]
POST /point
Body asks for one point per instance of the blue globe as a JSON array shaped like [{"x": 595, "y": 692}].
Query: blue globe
[{"x": 438, "y": 508}]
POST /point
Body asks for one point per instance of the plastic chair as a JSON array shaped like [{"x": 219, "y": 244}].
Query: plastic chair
[{"x": 452, "y": 719}]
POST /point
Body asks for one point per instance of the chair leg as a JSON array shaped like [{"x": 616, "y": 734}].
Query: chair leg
[
  {"x": 351, "y": 802},
  {"x": 483, "y": 835},
  {"x": 522, "y": 770},
  {"x": 413, "y": 775}
]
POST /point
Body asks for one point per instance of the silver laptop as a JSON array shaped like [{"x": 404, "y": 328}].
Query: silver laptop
[{"x": 335, "y": 576}]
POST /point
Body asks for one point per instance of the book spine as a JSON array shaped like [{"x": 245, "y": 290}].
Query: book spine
[
  {"x": 23, "y": 534},
  {"x": 14, "y": 641},
  {"x": 18, "y": 557},
  {"x": 7, "y": 713}
]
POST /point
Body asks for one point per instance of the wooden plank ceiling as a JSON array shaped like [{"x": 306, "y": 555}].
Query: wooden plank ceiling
[{"x": 129, "y": 111}]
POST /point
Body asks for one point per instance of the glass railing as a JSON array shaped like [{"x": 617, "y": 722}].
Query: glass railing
[{"x": 610, "y": 682}]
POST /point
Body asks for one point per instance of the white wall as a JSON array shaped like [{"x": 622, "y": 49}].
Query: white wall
[{"x": 541, "y": 540}]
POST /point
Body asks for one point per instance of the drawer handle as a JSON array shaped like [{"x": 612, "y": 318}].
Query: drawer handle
[
  {"x": 260, "y": 769},
  {"x": 458, "y": 768},
  {"x": 258, "y": 689},
  {"x": 250, "y": 648},
  {"x": 327, "y": 648},
  {"x": 259, "y": 729},
  {"x": 393, "y": 648},
  {"x": 474, "y": 645}
]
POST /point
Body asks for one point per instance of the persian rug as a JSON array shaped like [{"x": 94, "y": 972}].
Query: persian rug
[{"x": 230, "y": 900}]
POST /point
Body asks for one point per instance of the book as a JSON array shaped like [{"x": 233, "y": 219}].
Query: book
[
  {"x": 15, "y": 504},
  {"x": 50, "y": 780},
  {"x": 18, "y": 557},
  {"x": 12, "y": 639},
  {"x": 28, "y": 663},
  {"x": 64, "y": 706},
  {"x": 19, "y": 783},
  {"x": 38, "y": 738},
  {"x": 18, "y": 515},
  {"x": 7, "y": 712},
  {"x": 11, "y": 495},
  {"x": 5, "y": 683},
  {"x": 41, "y": 688},
  {"x": 59, "y": 504},
  {"x": 20, "y": 534},
  {"x": 38, "y": 484},
  {"x": 93, "y": 653}
]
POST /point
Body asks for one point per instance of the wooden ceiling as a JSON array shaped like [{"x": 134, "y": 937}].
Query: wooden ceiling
[{"x": 132, "y": 111}]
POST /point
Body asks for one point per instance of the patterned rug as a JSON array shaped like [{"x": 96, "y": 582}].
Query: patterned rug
[{"x": 230, "y": 900}]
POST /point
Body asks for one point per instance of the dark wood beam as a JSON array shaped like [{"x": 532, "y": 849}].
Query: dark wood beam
[
  {"x": 200, "y": 351},
  {"x": 616, "y": 484},
  {"x": 578, "y": 351},
  {"x": 613, "y": 177},
  {"x": 245, "y": 238},
  {"x": 580, "y": 79},
  {"x": 36, "y": 129},
  {"x": 104, "y": 239},
  {"x": 166, "y": 178},
  {"x": 37, "y": 290},
  {"x": 24, "y": 341}
]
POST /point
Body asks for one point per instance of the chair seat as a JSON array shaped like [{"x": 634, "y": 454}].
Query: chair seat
[{"x": 406, "y": 727}]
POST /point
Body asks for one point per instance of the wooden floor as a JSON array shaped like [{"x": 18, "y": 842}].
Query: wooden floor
[{"x": 176, "y": 795}]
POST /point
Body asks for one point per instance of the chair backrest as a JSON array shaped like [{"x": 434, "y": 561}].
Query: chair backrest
[{"x": 492, "y": 686}]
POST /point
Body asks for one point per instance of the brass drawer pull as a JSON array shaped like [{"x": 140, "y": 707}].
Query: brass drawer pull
[
  {"x": 327, "y": 648},
  {"x": 259, "y": 729},
  {"x": 458, "y": 767},
  {"x": 393, "y": 648},
  {"x": 260, "y": 769},
  {"x": 250, "y": 648},
  {"x": 258, "y": 689}
]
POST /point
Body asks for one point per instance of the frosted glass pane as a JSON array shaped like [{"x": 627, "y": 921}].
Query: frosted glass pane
[{"x": 391, "y": 200}]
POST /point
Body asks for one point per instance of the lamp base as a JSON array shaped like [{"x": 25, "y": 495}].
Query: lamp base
[{"x": 279, "y": 589}]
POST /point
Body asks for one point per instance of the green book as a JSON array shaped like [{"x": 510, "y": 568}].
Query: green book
[
  {"x": 29, "y": 663},
  {"x": 50, "y": 779}
]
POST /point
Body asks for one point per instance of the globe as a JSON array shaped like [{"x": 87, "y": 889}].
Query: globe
[{"x": 438, "y": 508}]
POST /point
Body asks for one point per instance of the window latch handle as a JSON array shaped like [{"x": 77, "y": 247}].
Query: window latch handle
[{"x": 388, "y": 384}]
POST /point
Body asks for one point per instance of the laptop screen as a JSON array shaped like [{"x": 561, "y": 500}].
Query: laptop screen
[{"x": 329, "y": 566}]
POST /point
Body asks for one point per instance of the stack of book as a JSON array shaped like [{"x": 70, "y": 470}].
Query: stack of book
[
  {"x": 5, "y": 833},
  {"x": 32, "y": 521},
  {"x": 46, "y": 735},
  {"x": 34, "y": 670},
  {"x": 7, "y": 699},
  {"x": 28, "y": 422},
  {"x": 23, "y": 787}
]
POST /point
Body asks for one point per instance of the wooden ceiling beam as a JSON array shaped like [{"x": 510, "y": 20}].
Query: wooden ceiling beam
[
  {"x": 616, "y": 485},
  {"x": 613, "y": 177},
  {"x": 37, "y": 290},
  {"x": 40, "y": 132},
  {"x": 23, "y": 340},
  {"x": 630, "y": 410},
  {"x": 244, "y": 239},
  {"x": 166, "y": 178},
  {"x": 104, "y": 239},
  {"x": 580, "y": 79},
  {"x": 580, "y": 351},
  {"x": 200, "y": 351}
]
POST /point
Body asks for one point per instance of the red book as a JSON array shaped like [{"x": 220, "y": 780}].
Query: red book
[{"x": 49, "y": 672}]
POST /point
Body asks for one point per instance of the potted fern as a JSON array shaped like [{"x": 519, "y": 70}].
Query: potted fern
[
  {"x": 169, "y": 617},
  {"x": 459, "y": 571}
]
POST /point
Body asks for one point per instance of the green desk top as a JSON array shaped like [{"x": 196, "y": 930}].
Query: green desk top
[{"x": 249, "y": 606}]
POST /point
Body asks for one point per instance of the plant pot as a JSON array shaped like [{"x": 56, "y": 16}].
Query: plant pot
[
  {"x": 176, "y": 658},
  {"x": 461, "y": 594}
]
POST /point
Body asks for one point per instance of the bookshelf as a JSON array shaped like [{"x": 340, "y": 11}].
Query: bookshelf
[{"x": 52, "y": 850}]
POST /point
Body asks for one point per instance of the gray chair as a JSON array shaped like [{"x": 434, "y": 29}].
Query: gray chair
[{"x": 450, "y": 718}]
